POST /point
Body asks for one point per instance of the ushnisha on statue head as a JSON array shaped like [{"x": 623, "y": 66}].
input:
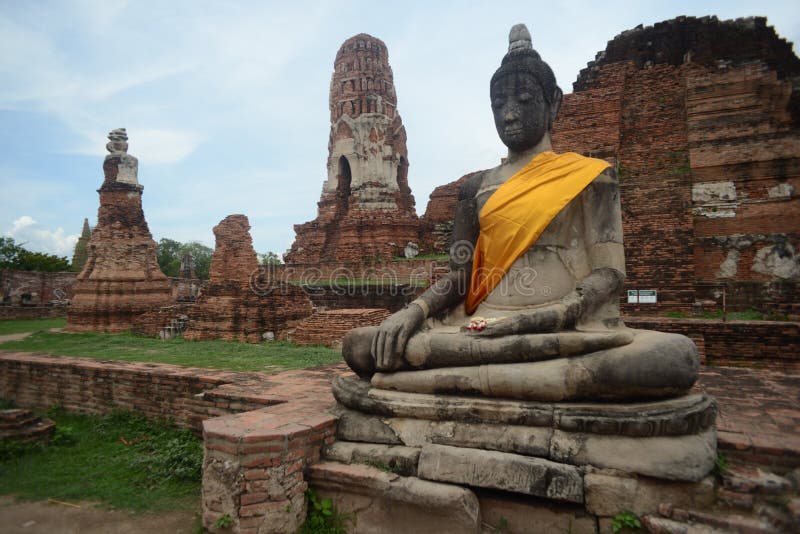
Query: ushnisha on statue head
[{"x": 524, "y": 94}]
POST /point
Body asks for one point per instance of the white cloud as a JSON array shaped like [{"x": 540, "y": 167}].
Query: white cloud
[{"x": 37, "y": 238}]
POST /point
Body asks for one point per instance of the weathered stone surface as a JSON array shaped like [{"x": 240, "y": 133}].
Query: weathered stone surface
[
  {"x": 355, "y": 426},
  {"x": 397, "y": 459},
  {"x": 687, "y": 458},
  {"x": 386, "y": 502},
  {"x": 121, "y": 278},
  {"x": 503, "y": 471},
  {"x": 366, "y": 210},
  {"x": 239, "y": 303},
  {"x": 688, "y": 414},
  {"x": 609, "y": 494},
  {"x": 513, "y": 514}
]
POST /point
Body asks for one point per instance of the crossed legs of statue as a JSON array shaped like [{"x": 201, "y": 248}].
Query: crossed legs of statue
[{"x": 569, "y": 365}]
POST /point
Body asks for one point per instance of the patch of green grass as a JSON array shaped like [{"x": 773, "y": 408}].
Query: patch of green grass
[
  {"x": 272, "y": 357},
  {"x": 323, "y": 517},
  {"x": 747, "y": 315},
  {"x": 16, "y": 326},
  {"x": 121, "y": 460},
  {"x": 625, "y": 520},
  {"x": 435, "y": 257}
]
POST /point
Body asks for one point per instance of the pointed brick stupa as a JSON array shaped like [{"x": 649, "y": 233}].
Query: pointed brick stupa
[
  {"x": 366, "y": 210},
  {"x": 80, "y": 254},
  {"x": 121, "y": 278}
]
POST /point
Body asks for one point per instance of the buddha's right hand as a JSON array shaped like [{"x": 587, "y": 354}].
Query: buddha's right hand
[{"x": 389, "y": 344}]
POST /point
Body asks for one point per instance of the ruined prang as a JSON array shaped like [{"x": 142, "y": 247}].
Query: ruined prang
[
  {"x": 239, "y": 303},
  {"x": 366, "y": 210},
  {"x": 121, "y": 278}
]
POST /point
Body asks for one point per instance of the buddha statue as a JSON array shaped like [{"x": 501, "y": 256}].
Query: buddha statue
[{"x": 530, "y": 308}]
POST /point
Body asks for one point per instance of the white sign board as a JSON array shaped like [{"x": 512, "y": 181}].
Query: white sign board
[
  {"x": 648, "y": 296},
  {"x": 642, "y": 296}
]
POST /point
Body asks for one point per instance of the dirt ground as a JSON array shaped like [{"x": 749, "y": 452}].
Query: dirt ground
[{"x": 43, "y": 517}]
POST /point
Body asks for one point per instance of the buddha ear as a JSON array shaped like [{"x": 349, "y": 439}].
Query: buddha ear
[{"x": 556, "y": 105}]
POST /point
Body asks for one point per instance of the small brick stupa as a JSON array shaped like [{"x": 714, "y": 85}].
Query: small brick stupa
[
  {"x": 366, "y": 210},
  {"x": 239, "y": 304},
  {"x": 121, "y": 278}
]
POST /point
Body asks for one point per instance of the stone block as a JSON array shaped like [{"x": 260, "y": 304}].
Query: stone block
[
  {"x": 503, "y": 471},
  {"x": 512, "y": 514},
  {"x": 397, "y": 459},
  {"x": 382, "y": 502},
  {"x": 688, "y": 458},
  {"x": 609, "y": 494}
]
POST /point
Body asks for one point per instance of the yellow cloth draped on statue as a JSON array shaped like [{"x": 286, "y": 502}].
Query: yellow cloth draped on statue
[{"x": 519, "y": 211}]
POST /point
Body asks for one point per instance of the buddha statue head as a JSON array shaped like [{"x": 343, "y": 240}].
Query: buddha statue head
[{"x": 525, "y": 97}]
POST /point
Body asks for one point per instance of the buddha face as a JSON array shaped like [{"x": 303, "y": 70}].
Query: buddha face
[{"x": 521, "y": 113}]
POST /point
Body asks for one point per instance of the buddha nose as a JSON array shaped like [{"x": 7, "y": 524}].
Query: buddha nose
[{"x": 510, "y": 114}]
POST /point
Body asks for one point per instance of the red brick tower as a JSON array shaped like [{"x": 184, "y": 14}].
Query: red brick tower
[{"x": 366, "y": 210}]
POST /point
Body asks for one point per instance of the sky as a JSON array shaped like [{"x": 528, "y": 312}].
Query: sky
[{"x": 226, "y": 102}]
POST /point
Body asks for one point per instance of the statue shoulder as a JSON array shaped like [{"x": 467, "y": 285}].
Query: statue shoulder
[
  {"x": 469, "y": 189},
  {"x": 609, "y": 175}
]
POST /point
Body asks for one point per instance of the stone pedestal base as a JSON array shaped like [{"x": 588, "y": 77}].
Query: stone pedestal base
[{"x": 672, "y": 439}]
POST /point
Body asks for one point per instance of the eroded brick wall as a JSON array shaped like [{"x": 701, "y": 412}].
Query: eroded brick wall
[
  {"x": 37, "y": 287},
  {"x": 767, "y": 344}
]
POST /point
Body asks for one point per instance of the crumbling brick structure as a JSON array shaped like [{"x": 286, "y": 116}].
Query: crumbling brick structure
[
  {"x": 700, "y": 117},
  {"x": 366, "y": 210},
  {"x": 240, "y": 303},
  {"x": 121, "y": 278}
]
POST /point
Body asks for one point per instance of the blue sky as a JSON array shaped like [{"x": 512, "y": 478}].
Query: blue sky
[{"x": 226, "y": 103}]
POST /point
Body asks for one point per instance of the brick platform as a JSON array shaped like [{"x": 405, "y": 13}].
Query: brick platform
[{"x": 261, "y": 431}]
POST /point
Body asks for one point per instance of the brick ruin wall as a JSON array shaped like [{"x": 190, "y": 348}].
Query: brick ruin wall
[
  {"x": 329, "y": 327},
  {"x": 700, "y": 118},
  {"x": 758, "y": 344},
  {"x": 88, "y": 386},
  {"x": 239, "y": 303},
  {"x": 34, "y": 288}
]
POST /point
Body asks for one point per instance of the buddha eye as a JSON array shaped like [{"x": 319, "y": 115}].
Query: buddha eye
[
  {"x": 497, "y": 103},
  {"x": 525, "y": 97}
]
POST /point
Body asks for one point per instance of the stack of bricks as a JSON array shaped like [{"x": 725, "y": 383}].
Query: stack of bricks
[
  {"x": 121, "y": 278},
  {"x": 329, "y": 327},
  {"x": 366, "y": 210},
  {"x": 240, "y": 302}
]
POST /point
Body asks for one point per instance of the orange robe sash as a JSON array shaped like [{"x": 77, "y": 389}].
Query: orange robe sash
[{"x": 519, "y": 211}]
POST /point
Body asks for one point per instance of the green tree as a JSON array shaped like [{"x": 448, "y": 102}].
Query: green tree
[
  {"x": 270, "y": 258},
  {"x": 169, "y": 256},
  {"x": 17, "y": 257},
  {"x": 170, "y": 253}
]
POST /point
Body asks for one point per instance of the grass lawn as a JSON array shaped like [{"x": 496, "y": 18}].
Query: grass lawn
[
  {"x": 271, "y": 357},
  {"x": 15, "y": 326},
  {"x": 158, "y": 470}
]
